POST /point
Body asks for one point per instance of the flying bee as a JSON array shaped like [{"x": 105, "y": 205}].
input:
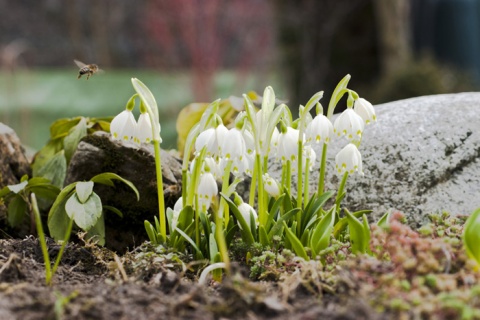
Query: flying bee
[{"x": 88, "y": 69}]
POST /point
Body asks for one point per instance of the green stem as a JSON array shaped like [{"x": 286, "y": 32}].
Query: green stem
[
  {"x": 184, "y": 187},
  {"x": 41, "y": 238},
  {"x": 262, "y": 212},
  {"x": 197, "y": 221},
  {"x": 306, "y": 188},
  {"x": 300, "y": 175},
  {"x": 62, "y": 248},
  {"x": 221, "y": 242},
  {"x": 340, "y": 192},
  {"x": 323, "y": 165},
  {"x": 288, "y": 177},
  {"x": 225, "y": 184},
  {"x": 253, "y": 185},
  {"x": 161, "y": 199}
]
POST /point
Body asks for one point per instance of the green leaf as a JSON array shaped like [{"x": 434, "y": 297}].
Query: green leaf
[
  {"x": 57, "y": 217},
  {"x": 313, "y": 208},
  {"x": 296, "y": 243},
  {"x": 263, "y": 236},
  {"x": 149, "y": 100},
  {"x": 4, "y": 191},
  {"x": 16, "y": 188},
  {"x": 273, "y": 210},
  {"x": 62, "y": 127},
  {"x": 85, "y": 214},
  {"x": 152, "y": 234},
  {"x": 107, "y": 178},
  {"x": 212, "y": 246},
  {"x": 45, "y": 155},
  {"x": 359, "y": 236},
  {"x": 70, "y": 142},
  {"x": 337, "y": 95},
  {"x": 114, "y": 210},
  {"x": 97, "y": 232},
  {"x": 55, "y": 169},
  {"x": 16, "y": 211},
  {"x": 247, "y": 235},
  {"x": 278, "y": 226},
  {"x": 192, "y": 243},
  {"x": 185, "y": 217},
  {"x": 342, "y": 224},
  {"x": 384, "y": 221},
  {"x": 49, "y": 191},
  {"x": 83, "y": 190},
  {"x": 321, "y": 235},
  {"x": 471, "y": 236}
]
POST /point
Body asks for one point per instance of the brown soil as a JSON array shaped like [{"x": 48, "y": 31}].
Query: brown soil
[{"x": 91, "y": 284}]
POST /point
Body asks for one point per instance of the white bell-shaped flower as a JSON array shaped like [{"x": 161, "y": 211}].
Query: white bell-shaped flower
[
  {"x": 271, "y": 185},
  {"x": 309, "y": 153},
  {"x": 123, "y": 126},
  {"x": 233, "y": 146},
  {"x": 349, "y": 160},
  {"x": 365, "y": 110},
  {"x": 272, "y": 150},
  {"x": 247, "y": 211},
  {"x": 287, "y": 148},
  {"x": 143, "y": 132},
  {"x": 212, "y": 138},
  {"x": 207, "y": 191},
  {"x": 350, "y": 125},
  {"x": 319, "y": 130},
  {"x": 177, "y": 208}
]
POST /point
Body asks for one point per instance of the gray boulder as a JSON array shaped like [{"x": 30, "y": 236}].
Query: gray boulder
[{"x": 421, "y": 157}]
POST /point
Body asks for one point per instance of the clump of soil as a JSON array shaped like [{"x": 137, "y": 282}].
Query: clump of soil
[{"x": 410, "y": 275}]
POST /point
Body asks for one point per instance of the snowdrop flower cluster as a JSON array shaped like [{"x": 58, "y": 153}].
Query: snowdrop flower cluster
[{"x": 124, "y": 127}]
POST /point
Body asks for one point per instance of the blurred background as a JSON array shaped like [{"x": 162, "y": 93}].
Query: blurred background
[{"x": 199, "y": 50}]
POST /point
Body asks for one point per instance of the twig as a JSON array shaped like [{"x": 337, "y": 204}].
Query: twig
[
  {"x": 9, "y": 261},
  {"x": 120, "y": 268}
]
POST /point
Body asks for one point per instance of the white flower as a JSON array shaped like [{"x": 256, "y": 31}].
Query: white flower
[
  {"x": 271, "y": 186},
  {"x": 207, "y": 190},
  {"x": 349, "y": 160},
  {"x": 123, "y": 126},
  {"x": 246, "y": 210},
  {"x": 309, "y": 153},
  {"x": 233, "y": 146},
  {"x": 365, "y": 110},
  {"x": 212, "y": 138},
  {"x": 249, "y": 142},
  {"x": 272, "y": 150},
  {"x": 177, "y": 208},
  {"x": 320, "y": 130},
  {"x": 143, "y": 132},
  {"x": 287, "y": 148},
  {"x": 350, "y": 125}
]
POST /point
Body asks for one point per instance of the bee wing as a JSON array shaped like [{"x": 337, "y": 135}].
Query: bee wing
[
  {"x": 79, "y": 64},
  {"x": 100, "y": 71}
]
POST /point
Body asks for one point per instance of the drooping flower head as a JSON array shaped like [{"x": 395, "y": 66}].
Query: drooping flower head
[
  {"x": 350, "y": 125},
  {"x": 207, "y": 191},
  {"x": 365, "y": 110},
  {"x": 319, "y": 130},
  {"x": 123, "y": 126},
  {"x": 349, "y": 160},
  {"x": 287, "y": 148}
]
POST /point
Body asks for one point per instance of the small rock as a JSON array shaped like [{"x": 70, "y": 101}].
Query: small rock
[
  {"x": 13, "y": 162},
  {"x": 99, "y": 153}
]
